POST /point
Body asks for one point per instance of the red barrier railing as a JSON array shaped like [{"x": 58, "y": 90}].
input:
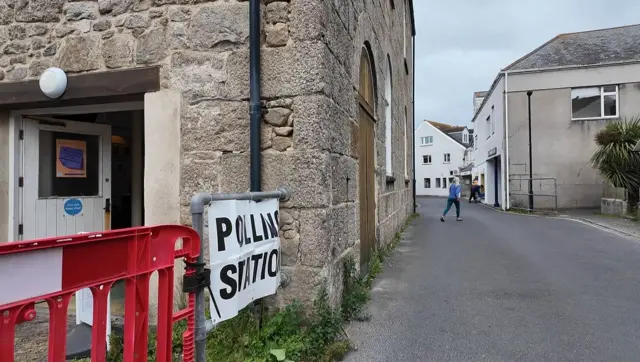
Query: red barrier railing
[{"x": 54, "y": 269}]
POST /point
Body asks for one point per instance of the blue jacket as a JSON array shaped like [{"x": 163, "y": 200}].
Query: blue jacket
[{"x": 454, "y": 191}]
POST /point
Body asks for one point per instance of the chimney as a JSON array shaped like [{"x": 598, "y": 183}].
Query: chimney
[{"x": 478, "y": 97}]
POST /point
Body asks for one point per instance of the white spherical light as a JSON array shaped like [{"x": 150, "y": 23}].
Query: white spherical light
[{"x": 53, "y": 82}]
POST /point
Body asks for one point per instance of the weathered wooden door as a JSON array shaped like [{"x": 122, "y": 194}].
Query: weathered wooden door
[
  {"x": 366, "y": 145},
  {"x": 367, "y": 189},
  {"x": 67, "y": 172}
]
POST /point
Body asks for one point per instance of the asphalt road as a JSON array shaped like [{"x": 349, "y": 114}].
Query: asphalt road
[{"x": 503, "y": 287}]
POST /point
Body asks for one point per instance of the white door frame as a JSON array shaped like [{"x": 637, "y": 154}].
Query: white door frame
[{"x": 16, "y": 149}]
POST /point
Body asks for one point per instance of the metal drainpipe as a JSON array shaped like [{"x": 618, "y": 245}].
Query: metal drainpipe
[
  {"x": 529, "y": 93},
  {"x": 413, "y": 136},
  {"x": 254, "y": 89}
]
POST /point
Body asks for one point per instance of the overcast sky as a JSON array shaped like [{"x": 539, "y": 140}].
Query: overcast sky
[{"x": 461, "y": 48}]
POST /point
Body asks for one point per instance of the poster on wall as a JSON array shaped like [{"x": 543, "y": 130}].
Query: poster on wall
[{"x": 71, "y": 160}]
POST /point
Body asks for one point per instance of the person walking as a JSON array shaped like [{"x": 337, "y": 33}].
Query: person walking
[{"x": 454, "y": 199}]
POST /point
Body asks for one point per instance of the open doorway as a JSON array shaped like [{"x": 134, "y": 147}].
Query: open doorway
[{"x": 81, "y": 172}]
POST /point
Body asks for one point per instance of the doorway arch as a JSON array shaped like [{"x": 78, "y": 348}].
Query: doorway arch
[{"x": 366, "y": 161}]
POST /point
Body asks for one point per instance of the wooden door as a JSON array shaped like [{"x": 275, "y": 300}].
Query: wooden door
[
  {"x": 367, "y": 189},
  {"x": 67, "y": 172}
]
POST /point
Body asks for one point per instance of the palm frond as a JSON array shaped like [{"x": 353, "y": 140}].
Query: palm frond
[{"x": 614, "y": 158}]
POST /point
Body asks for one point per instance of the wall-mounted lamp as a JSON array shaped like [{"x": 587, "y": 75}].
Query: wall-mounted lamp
[{"x": 53, "y": 82}]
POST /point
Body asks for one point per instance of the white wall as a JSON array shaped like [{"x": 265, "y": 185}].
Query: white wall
[
  {"x": 490, "y": 136},
  {"x": 438, "y": 168}
]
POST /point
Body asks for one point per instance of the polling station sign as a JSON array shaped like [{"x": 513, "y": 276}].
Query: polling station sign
[{"x": 244, "y": 250}]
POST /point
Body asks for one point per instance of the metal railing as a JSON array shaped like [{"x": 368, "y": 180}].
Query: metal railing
[{"x": 533, "y": 194}]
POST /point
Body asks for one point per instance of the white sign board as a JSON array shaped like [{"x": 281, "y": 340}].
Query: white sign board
[{"x": 244, "y": 249}]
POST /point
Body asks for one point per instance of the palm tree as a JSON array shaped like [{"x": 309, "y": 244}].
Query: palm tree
[{"x": 615, "y": 159}]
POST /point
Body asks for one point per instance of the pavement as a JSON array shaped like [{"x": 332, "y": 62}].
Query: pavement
[{"x": 503, "y": 287}]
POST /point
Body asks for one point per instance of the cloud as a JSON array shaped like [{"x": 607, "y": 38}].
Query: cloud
[{"x": 461, "y": 48}]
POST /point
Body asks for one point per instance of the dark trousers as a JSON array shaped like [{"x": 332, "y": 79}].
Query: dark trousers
[{"x": 452, "y": 202}]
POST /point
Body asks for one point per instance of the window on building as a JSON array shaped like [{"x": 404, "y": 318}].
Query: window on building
[
  {"x": 594, "y": 102},
  {"x": 465, "y": 138},
  {"x": 444, "y": 182},
  {"x": 450, "y": 172},
  {"x": 493, "y": 123},
  {"x": 475, "y": 143},
  {"x": 426, "y": 140},
  {"x": 404, "y": 28},
  {"x": 427, "y": 183},
  {"x": 488, "y": 126},
  {"x": 388, "y": 118},
  {"x": 447, "y": 157},
  {"x": 426, "y": 159},
  {"x": 406, "y": 151},
  {"x": 438, "y": 182},
  {"x": 450, "y": 180}
]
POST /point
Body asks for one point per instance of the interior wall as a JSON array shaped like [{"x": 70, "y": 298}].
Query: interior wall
[{"x": 4, "y": 176}]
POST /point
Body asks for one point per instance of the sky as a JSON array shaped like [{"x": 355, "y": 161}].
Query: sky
[{"x": 461, "y": 45}]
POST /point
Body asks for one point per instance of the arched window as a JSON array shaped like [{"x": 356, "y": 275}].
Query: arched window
[
  {"x": 388, "y": 118},
  {"x": 366, "y": 78}
]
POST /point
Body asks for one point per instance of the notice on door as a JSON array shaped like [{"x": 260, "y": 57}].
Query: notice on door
[
  {"x": 71, "y": 160},
  {"x": 244, "y": 247}
]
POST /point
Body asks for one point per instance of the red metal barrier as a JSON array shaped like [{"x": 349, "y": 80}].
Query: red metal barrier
[{"x": 54, "y": 269}]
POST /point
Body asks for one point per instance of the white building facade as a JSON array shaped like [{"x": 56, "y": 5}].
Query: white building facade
[
  {"x": 438, "y": 159},
  {"x": 488, "y": 154}
]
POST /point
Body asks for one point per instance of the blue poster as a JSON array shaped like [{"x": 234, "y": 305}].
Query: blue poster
[
  {"x": 71, "y": 158},
  {"x": 73, "y": 207}
]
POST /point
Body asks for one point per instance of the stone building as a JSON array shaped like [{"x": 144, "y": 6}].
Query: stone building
[{"x": 158, "y": 94}]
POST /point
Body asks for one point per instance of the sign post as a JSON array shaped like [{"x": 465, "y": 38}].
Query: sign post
[
  {"x": 236, "y": 269},
  {"x": 245, "y": 254}
]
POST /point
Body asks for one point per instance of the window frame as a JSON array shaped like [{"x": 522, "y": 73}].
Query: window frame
[
  {"x": 488, "y": 126},
  {"x": 438, "y": 183},
  {"x": 426, "y": 163},
  {"x": 427, "y": 183},
  {"x": 444, "y": 182},
  {"x": 603, "y": 94},
  {"x": 426, "y": 140},
  {"x": 445, "y": 158}
]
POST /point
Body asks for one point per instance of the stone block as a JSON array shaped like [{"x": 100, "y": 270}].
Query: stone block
[
  {"x": 137, "y": 21},
  {"x": 118, "y": 51},
  {"x": 307, "y": 19},
  {"x": 219, "y": 25},
  {"x": 17, "y": 73},
  {"x": 304, "y": 282},
  {"x": 196, "y": 176},
  {"x": 38, "y": 66},
  {"x": 115, "y": 7},
  {"x": 74, "y": 11},
  {"x": 306, "y": 173},
  {"x": 102, "y": 25},
  {"x": 16, "y": 47},
  {"x": 343, "y": 229},
  {"x": 50, "y": 50},
  {"x": 344, "y": 176},
  {"x": 286, "y": 71},
  {"x": 32, "y": 11},
  {"x": 234, "y": 172},
  {"x": 38, "y": 43},
  {"x": 80, "y": 53},
  {"x": 37, "y": 30},
  {"x": 198, "y": 75},
  {"x": 281, "y": 144},
  {"x": 17, "y": 31},
  {"x": 315, "y": 243},
  {"x": 321, "y": 124},
  {"x": 6, "y": 14},
  {"x": 277, "y": 12},
  {"x": 277, "y": 35},
  {"x": 215, "y": 126},
  {"x": 283, "y": 131},
  {"x": 180, "y": 13},
  {"x": 277, "y": 117},
  {"x": 152, "y": 46}
]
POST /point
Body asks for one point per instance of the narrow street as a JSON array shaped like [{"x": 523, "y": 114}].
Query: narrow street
[{"x": 503, "y": 287}]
